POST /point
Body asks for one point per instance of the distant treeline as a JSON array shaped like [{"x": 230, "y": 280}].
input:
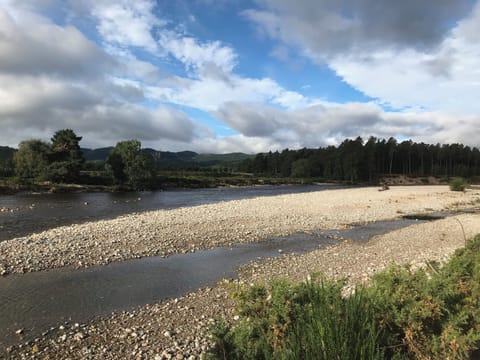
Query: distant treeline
[
  {"x": 63, "y": 161},
  {"x": 357, "y": 160}
]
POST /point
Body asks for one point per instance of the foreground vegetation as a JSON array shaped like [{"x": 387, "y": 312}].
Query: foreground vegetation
[{"x": 431, "y": 313}]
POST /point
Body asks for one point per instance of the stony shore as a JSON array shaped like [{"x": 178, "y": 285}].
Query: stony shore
[
  {"x": 178, "y": 328},
  {"x": 167, "y": 232}
]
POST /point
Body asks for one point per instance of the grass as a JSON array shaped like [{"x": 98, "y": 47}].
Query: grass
[{"x": 431, "y": 313}]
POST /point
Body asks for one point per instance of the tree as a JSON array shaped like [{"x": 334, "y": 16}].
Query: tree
[
  {"x": 391, "y": 146},
  {"x": 31, "y": 160},
  {"x": 301, "y": 168},
  {"x": 66, "y": 158},
  {"x": 128, "y": 165}
]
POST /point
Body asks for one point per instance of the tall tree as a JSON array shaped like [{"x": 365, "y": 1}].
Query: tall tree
[
  {"x": 31, "y": 160},
  {"x": 128, "y": 165},
  {"x": 392, "y": 147},
  {"x": 66, "y": 158}
]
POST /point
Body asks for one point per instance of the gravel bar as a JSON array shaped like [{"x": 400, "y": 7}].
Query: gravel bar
[{"x": 166, "y": 232}]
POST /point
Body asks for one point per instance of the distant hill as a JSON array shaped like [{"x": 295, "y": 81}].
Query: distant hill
[
  {"x": 174, "y": 160},
  {"x": 6, "y": 153},
  {"x": 96, "y": 154},
  {"x": 167, "y": 159}
]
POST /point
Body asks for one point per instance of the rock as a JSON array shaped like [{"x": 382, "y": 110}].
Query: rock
[
  {"x": 19, "y": 332},
  {"x": 79, "y": 336}
]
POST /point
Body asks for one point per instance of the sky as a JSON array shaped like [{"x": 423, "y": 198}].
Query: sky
[{"x": 218, "y": 76}]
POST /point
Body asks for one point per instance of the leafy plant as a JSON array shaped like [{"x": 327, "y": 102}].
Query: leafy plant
[
  {"x": 431, "y": 313},
  {"x": 458, "y": 184},
  {"x": 303, "y": 321}
]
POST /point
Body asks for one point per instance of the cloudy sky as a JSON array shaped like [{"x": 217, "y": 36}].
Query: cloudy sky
[{"x": 238, "y": 75}]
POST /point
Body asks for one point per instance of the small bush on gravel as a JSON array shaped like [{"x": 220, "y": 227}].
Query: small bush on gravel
[
  {"x": 458, "y": 184},
  {"x": 432, "y": 313}
]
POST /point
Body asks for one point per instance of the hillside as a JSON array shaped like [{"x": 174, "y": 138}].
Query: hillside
[{"x": 174, "y": 160}]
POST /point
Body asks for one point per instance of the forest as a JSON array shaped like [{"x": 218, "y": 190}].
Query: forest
[
  {"x": 367, "y": 161},
  {"x": 130, "y": 166}
]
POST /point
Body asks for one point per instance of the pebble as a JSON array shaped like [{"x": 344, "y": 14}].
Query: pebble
[{"x": 78, "y": 336}]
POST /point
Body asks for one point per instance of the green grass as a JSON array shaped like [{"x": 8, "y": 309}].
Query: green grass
[{"x": 432, "y": 313}]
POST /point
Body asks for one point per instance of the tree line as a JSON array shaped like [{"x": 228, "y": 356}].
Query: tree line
[
  {"x": 128, "y": 165},
  {"x": 61, "y": 161},
  {"x": 366, "y": 161}
]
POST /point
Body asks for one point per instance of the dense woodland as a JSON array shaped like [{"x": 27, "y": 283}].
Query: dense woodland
[
  {"x": 366, "y": 161},
  {"x": 128, "y": 165}
]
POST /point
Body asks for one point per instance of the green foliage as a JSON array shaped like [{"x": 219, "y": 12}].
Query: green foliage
[
  {"x": 129, "y": 166},
  {"x": 31, "y": 160},
  {"x": 355, "y": 160},
  {"x": 7, "y": 167},
  {"x": 304, "y": 321},
  {"x": 65, "y": 159},
  {"x": 301, "y": 169},
  {"x": 457, "y": 184},
  {"x": 431, "y": 313}
]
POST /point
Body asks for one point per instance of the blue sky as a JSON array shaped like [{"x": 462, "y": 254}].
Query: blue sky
[{"x": 233, "y": 75}]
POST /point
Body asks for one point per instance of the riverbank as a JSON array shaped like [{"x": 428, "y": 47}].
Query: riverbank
[
  {"x": 166, "y": 232},
  {"x": 172, "y": 180}
]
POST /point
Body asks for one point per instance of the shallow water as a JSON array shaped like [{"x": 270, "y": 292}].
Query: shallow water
[{"x": 36, "y": 301}]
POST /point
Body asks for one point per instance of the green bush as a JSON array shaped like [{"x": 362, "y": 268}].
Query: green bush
[
  {"x": 458, "y": 184},
  {"x": 303, "y": 321},
  {"x": 432, "y": 313}
]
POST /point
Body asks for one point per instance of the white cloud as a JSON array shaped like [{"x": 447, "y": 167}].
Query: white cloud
[
  {"x": 447, "y": 79},
  {"x": 323, "y": 28},
  {"x": 195, "y": 55},
  {"x": 49, "y": 49},
  {"x": 126, "y": 23}
]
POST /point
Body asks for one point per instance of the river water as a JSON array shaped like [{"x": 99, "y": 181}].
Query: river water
[{"x": 37, "y": 212}]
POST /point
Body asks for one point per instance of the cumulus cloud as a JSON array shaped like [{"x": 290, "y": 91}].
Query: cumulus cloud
[
  {"x": 49, "y": 49},
  {"x": 195, "y": 55},
  {"x": 324, "y": 28},
  {"x": 418, "y": 55},
  {"x": 126, "y": 23},
  {"x": 54, "y": 77},
  {"x": 326, "y": 124}
]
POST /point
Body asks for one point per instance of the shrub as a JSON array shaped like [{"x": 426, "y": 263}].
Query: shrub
[
  {"x": 431, "y": 313},
  {"x": 457, "y": 184},
  {"x": 303, "y": 321}
]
